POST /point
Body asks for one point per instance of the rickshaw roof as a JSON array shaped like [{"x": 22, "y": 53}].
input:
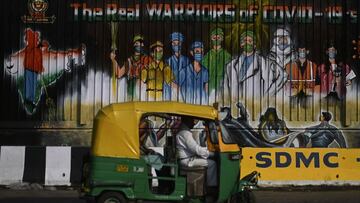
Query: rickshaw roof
[{"x": 116, "y": 126}]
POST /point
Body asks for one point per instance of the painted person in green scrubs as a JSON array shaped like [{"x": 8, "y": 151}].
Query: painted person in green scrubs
[{"x": 215, "y": 61}]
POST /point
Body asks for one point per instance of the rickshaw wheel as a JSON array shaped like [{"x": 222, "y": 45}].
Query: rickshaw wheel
[
  {"x": 242, "y": 197},
  {"x": 111, "y": 197}
]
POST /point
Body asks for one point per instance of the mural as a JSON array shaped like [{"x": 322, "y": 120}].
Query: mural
[
  {"x": 37, "y": 66},
  {"x": 287, "y": 72}
]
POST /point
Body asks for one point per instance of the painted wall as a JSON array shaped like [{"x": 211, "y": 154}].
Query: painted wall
[{"x": 64, "y": 60}]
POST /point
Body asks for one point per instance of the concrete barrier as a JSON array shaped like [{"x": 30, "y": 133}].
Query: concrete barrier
[{"x": 50, "y": 166}]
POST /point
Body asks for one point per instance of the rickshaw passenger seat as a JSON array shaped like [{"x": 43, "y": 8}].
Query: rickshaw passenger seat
[{"x": 195, "y": 180}]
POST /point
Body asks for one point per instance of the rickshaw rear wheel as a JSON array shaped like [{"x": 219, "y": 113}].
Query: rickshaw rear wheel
[{"x": 111, "y": 197}]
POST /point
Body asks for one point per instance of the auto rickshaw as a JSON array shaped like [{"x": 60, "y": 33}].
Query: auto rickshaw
[{"x": 118, "y": 170}]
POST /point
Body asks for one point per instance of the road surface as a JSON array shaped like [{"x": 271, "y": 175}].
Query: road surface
[{"x": 267, "y": 196}]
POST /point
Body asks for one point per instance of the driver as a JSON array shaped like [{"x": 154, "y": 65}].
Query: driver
[{"x": 192, "y": 154}]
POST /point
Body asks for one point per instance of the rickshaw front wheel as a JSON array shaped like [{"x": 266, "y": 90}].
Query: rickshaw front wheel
[
  {"x": 246, "y": 196},
  {"x": 111, "y": 197}
]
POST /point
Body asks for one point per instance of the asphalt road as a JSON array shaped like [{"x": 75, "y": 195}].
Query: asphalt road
[{"x": 268, "y": 196}]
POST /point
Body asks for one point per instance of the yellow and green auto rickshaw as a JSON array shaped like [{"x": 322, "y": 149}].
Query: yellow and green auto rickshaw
[{"x": 133, "y": 156}]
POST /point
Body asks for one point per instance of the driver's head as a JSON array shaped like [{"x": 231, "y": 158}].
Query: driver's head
[{"x": 188, "y": 121}]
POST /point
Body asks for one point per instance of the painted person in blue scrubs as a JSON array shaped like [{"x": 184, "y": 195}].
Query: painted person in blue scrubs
[
  {"x": 177, "y": 63},
  {"x": 195, "y": 79}
]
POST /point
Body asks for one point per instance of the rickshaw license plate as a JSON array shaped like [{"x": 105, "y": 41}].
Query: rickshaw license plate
[{"x": 122, "y": 168}]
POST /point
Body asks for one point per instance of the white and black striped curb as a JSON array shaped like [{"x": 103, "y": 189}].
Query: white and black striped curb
[{"x": 44, "y": 165}]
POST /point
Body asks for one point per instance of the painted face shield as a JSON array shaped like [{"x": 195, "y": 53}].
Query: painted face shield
[
  {"x": 282, "y": 39},
  {"x": 283, "y": 42}
]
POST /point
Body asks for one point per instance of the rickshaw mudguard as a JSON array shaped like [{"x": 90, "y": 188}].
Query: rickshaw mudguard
[{"x": 128, "y": 192}]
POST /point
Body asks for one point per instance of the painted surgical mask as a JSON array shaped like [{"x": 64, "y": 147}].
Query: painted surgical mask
[
  {"x": 332, "y": 54},
  {"x": 198, "y": 57},
  {"x": 216, "y": 42},
  {"x": 248, "y": 48},
  {"x": 176, "y": 48},
  {"x": 282, "y": 47},
  {"x": 302, "y": 54},
  {"x": 138, "y": 49},
  {"x": 158, "y": 55}
]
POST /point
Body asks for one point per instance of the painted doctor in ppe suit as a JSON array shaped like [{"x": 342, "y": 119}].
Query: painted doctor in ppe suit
[
  {"x": 281, "y": 53},
  {"x": 246, "y": 77}
]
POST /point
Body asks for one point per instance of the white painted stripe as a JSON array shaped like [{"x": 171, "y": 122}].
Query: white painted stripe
[
  {"x": 12, "y": 161},
  {"x": 58, "y": 166}
]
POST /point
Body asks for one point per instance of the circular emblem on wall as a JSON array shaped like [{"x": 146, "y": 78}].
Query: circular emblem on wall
[
  {"x": 39, "y": 6},
  {"x": 37, "y": 9}
]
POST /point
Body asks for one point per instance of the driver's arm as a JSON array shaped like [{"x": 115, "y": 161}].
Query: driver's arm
[{"x": 192, "y": 146}]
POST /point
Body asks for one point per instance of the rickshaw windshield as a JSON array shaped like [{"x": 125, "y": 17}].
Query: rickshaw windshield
[
  {"x": 213, "y": 132},
  {"x": 226, "y": 135}
]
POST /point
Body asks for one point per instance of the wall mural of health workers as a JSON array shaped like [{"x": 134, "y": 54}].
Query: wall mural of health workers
[{"x": 278, "y": 67}]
